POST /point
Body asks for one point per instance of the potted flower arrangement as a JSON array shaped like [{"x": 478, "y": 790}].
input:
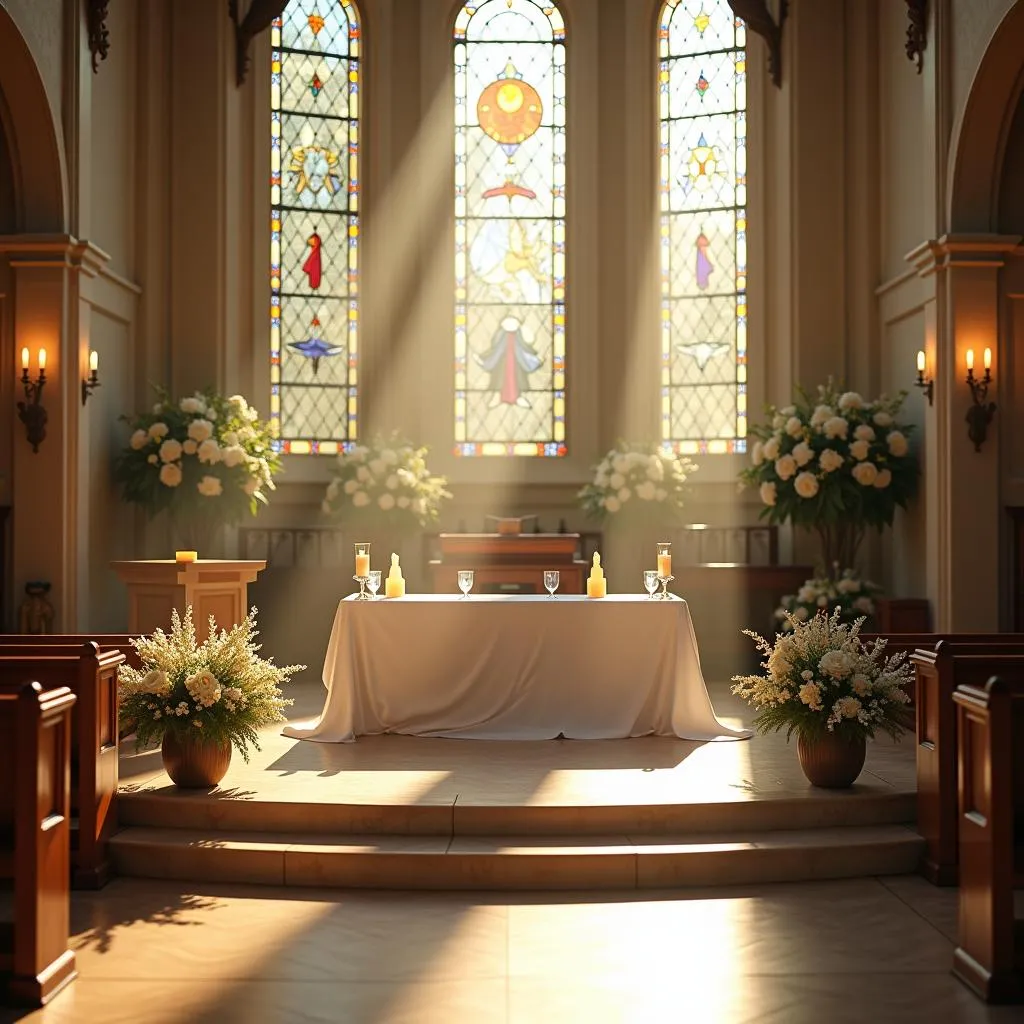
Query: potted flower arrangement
[
  {"x": 845, "y": 591},
  {"x": 201, "y": 700},
  {"x": 834, "y": 690},
  {"x": 207, "y": 460}
]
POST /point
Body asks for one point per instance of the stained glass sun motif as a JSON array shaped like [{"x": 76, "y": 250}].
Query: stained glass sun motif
[
  {"x": 509, "y": 58},
  {"x": 314, "y": 231},
  {"x": 703, "y": 170}
]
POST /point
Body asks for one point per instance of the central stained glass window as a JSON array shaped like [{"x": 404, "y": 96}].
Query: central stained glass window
[
  {"x": 702, "y": 75},
  {"x": 510, "y": 370}
]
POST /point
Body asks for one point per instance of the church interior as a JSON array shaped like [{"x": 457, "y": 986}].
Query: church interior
[{"x": 418, "y": 412}]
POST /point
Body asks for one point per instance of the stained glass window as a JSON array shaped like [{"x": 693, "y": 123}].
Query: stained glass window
[
  {"x": 510, "y": 367},
  {"x": 703, "y": 175},
  {"x": 314, "y": 231}
]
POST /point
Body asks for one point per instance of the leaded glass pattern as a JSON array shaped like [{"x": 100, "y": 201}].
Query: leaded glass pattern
[
  {"x": 509, "y": 316},
  {"x": 314, "y": 231},
  {"x": 702, "y": 102}
]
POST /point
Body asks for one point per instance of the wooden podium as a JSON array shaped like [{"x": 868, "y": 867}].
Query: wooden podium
[
  {"x": 508, "y": 563},
  {"x": 211, "y": 586}
]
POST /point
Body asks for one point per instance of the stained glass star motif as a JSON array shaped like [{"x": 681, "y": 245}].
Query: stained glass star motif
[
  {"x": 316, "y": 22},
  {"x": 314, "y": 347},
  {"x": 702, "y": 85},
  {"x": 702, "y": 352},
  {"x": 701, "y": 21},
  {"x": 315, "y": 85}
]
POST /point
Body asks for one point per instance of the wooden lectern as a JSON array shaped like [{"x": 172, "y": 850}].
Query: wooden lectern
[
  {"x": 211, "y": 586},
  {"x": 506, "y": 563}
]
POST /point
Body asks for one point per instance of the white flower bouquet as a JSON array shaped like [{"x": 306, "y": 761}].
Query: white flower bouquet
[
  {"x": 385, "y": 482},
  {"x": 644, "y": 479},
  {"x": 221, "y": 689},
  {"x": 206, "y": 459},
  {"x": 838, "y": 464},
  {"x": 845, "y": 591},
  {"x": 822, "y": 678}
]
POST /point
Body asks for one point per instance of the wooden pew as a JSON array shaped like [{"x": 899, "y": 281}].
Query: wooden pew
[
  {"x": 938, "y": 673},
  {"x": 92, "y": 675},
  {"x": 990, "y": 956},
  {"x": 35, "y": 743},
  {"x": 107, "y": 641}
]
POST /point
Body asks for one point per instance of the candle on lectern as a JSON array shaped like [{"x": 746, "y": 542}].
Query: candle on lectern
[
  {"x": 597, "y": 585},
  {"x": 94, "y": 361},
  {"x": 186, "y": 556},
  {"x": 970, "y": 359},
  {"x": 42, "y": 359},
  {"x": 394, "y": 585},
  {"x": 24, "y": 358},
  {"x": 988, "y": 359},
  {"x": 920, "y": 361}
]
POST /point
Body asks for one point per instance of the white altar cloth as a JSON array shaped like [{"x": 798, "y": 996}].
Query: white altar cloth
[{"x": 523, "y": 667}]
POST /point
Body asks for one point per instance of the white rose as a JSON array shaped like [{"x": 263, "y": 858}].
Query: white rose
[
  {"x": 771, "y": 449},
  {"x": 624, "y": 494},
  {"x": 378, "y": 467},
  {"x": 864, "y": 433},
  {"x": 806, "y": 485},
  {"x": 403, "y": 501},
  {"x": 193, "y": 406},
  {"x": 850, "y": 400},
  {"x": 616, "y": 480},
  {"x": 362, "y": 474},
  {"x": 210, "y": 486},
  {"x": 778, "y": 421},
  {"x": 233, "y": 455},
  {"x": 646, "y": 490},
  {"x": 386, "y": 502},
  {"x": 158, "y": 431},
  {"x": 612, "y": 504},
  {"x": 820, "y": 415},
  {"x": 830, "y": 460},
  {"x": 209, "y": 452},
  {"x": 155, "y": 682},
  {"x": 883, "y": 479},
  {"x": 865, "y": 473},
  {"x": 836, "y": 664},
  {"x": 351, "y": 486},
  {"x": 620, "y": 463},
  {"x": 229, "y": 437},
  {"x": 170, "y": 474},
  {"x": 200, "y": 430},
  {"x": 835, "y": 426},
  {"x": 802, "y": 453},
  {"x": 859, "y": 450},
  {"x": 757, "y": 454},
  {"x": 794, "y": 427},
  {"x": 251, "y": 486},
  {"x": 170, "y": 450},
  {"x": 152, "y": 459},
  {"x": 897, "y": 443},
  {"x": 189, "y": 447},
  {"x": 392, "y": 482},
  {"x": 360, "y": 499},
  {"x": 139, "y": 439},
  {"x": 768, "y": 494},
  {"x": 789, "y": 410},
  {"x": 882, "y": 419},
  {"x": 785, "y": 466}
]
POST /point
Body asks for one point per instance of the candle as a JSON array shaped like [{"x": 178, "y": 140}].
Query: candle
[
  {"x": 186, "y": 556},
  {"x": 664, "y": 566},
  {"x": 24, "y": 358},
  {"x": 920, "y": 361},
  {"x": 363, "y": 565},
  {"x": 94, "y": 361},
  {"x": 597, "y": 585},
  {"x": 394, "y": 585},
  {"x": 988, "y": 359},
  {"x": 970, "y": 359},
  {"x": 42, "y": 359}
]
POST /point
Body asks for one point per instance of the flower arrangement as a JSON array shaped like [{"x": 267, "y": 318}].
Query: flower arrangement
[
  {"x": 838, "y": 465},
  {"x": 385, "y": 481},
  {"x": 221, "y": 689},
  {"x": 206, "y": 459},
  {"x": 823, "y": 678},
  {"x": 845, "y": 591},
  {"x": 637, "y": 478}
]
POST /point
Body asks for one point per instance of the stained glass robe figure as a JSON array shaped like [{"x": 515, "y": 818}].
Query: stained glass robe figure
[
  {"x": 313, "y": 267},
  {"x": 704, "y": 266},
  {"x": 509, "y": 361}
]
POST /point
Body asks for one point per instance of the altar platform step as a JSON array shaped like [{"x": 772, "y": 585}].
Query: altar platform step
[{"x": 567, "y": 862}]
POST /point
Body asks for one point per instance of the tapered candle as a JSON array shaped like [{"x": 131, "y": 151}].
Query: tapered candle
[
  {"x": 970, "y": 359},
  {"x": 988, "y": 359},
  {"x": 920, "y": 361},
  {"x": 94, "y": 361},
  {"x": 24, "y": 358},
  {"x": 42, "y": 359}
]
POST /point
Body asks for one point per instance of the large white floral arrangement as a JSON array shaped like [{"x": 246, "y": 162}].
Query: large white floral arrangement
[
  {"x": 822, "y": 678},
  {"x": 220, "y": 690},
  {"x": 386, "y": 481},
  {"x": 853, "y": 596},
  {"x": 838, "y": 464},
  {"x": 635, "y": 478},
  {"x": 205, "y": 458}
]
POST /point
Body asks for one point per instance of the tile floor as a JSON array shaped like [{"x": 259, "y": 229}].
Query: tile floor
[{"x": 864, "y": 950}]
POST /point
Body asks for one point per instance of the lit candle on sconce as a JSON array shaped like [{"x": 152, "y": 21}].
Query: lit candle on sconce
[
  {"x": 970, "y": 361},
  {"x": 927, "y": 385},
  {"x": 920, "y": 361},
  {"x": 90, "y": 383},
  {"x": 94, "y": 361},
  {"x": 980, "y": 414},
  {"x": 24, "y": 359},
  {"x": 42, "y": 359},
  {"x": 988, "y": 359}
]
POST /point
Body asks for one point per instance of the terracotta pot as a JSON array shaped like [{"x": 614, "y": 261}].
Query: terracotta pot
[
  {"x": 195, "y": 764},
  {"x": 831, "y": 761}
]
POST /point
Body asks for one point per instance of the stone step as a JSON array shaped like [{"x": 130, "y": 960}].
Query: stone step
[{"x": 569, "y": 862}]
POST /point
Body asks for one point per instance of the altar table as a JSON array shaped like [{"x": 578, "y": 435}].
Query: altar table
[{"x": 524, "y": 667}]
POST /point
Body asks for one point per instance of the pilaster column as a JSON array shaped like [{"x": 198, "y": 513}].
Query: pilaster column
[{"x": 961, "y": 485}]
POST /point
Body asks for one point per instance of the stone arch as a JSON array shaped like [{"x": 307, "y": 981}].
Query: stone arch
[
  {"x": 980, "y": 134},
  {"x": 33, "y": 138}
]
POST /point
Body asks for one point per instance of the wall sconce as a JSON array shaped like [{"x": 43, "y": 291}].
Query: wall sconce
[
  {"x": 31, "y": 412},
  {"x": 927, "y": 385},
  {"x": 93, "y": 380},
  {"x": 980, "y": 414}
]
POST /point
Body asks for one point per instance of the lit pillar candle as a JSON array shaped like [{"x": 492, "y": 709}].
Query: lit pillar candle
[
  {"x": 664, "y": 566},
  {"x": 362, "y": 565},
  {"x": 597, "y": 585}
]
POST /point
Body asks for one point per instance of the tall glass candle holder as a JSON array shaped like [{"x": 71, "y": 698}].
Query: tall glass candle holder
[
  {"x": 665, "y": 576},
  {"x": 362, "y": 573}
]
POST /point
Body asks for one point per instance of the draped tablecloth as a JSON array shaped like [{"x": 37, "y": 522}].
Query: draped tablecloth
[{"x": 523, "y": 667}]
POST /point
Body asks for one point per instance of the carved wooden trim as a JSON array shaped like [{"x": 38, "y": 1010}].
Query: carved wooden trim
[
  {"x": 917, "y": 31},
  {"x": 257, "y": 18},
  {"x": 96, "y": 26},
  {"x": 759, "y": 20}
]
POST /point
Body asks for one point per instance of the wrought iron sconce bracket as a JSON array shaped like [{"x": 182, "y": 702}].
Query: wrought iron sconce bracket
[
  {"x": 31, "y": 411},
  {"x": 980, "y": 414},
  {"x": 89, "y": 384},
  {"x": 926, "y": 385}
]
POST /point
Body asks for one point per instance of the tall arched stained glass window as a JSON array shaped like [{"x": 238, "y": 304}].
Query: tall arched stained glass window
[
  {"x": 509, "y": 228},
  {"x": 314, "y": 232},
  {"x": 703, "y": 174}
]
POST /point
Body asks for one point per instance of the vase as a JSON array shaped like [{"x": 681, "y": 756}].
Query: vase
[
  {"x": 195, "y": 763},
  {"x": 831, "y": 760}
]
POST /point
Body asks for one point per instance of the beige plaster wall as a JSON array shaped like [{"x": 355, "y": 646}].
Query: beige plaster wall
[{"x": 42, "y": 23}]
